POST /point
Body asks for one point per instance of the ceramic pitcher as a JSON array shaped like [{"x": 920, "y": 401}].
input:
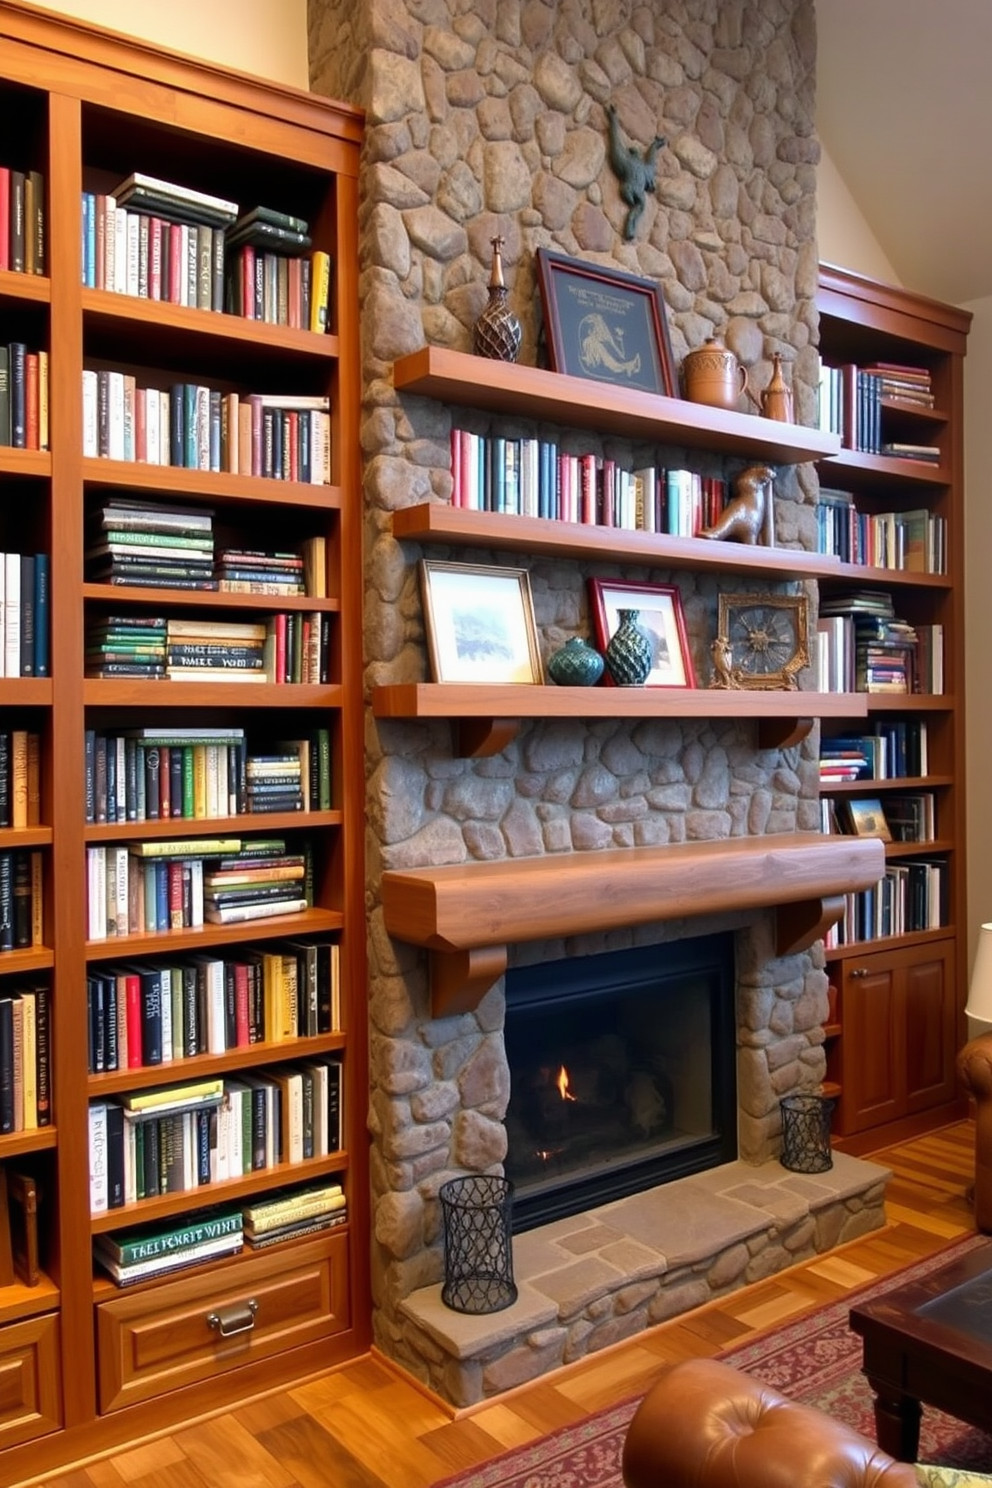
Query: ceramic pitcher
[{"x": 713, "y": 375}]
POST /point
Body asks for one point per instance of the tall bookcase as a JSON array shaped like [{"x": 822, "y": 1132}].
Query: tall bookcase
[
  {"x": 898, "y": 997},
  {"x": 94, "y": 1364}
]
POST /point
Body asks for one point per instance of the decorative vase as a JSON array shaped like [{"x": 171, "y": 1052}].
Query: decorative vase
[
  {"x": 629, "y": 655},
  {"x": 497, "y": 330},
  {"x": 576, "y": 664}
]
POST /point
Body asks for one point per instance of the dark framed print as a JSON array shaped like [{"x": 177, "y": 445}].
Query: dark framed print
[
  {"x": 605, "y": 324},
  {"x": 766, "y": 638},
  {"x": 480, "y": 623},
  {"x": 659, "y": 616}
]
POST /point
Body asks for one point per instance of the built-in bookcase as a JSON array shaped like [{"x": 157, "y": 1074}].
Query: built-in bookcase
[{"x": 118, "y": 109}]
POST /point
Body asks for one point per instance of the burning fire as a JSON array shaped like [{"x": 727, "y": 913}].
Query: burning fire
[{"x": 562, "y": 1084}]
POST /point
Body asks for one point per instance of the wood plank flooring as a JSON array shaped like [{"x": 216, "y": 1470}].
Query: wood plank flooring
[{"x": 364, "y": 1426}]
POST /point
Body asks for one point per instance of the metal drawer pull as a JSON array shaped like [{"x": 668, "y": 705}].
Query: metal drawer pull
[
  {"x": 233, "y": 1320},
  {"x": 860, "y": 971}
]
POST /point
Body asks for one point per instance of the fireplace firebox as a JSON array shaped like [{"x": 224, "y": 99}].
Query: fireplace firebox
[{"x": 622, "y": 1073}]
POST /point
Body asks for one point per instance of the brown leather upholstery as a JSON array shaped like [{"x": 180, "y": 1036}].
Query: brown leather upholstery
[
  {"x": 975, "y": 1070},
  {"x": 707, "y": 1425}
]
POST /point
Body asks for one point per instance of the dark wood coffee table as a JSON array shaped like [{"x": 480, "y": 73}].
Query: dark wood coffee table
[{"x": 930, "y": 1342}]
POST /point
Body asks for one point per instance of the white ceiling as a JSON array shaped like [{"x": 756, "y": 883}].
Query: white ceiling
[{"x": 904, "y": 108}]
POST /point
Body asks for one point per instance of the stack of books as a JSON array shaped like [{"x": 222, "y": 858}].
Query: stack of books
[
  {"x": 245, "y": 571},
  {"x": 274, "y": 783},
  {"x": 865, "y": 647},
  {"x": 215, "y": 650},
  {"x": 24, "y": 420},
  {"x": 898, "y": 383},
  {"x": 145, "y": 1252},
  {"x": 294, "y": 1213},
  {"x": 140, "y": 543},
  {"x": 25, "y": 1060},
  {"x": 126, "y": 646},
  {"x": 260, "y": 880},
  {"x": 22, "y": 220}
]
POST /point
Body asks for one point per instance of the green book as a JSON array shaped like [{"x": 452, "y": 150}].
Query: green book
[
  {"x": 128, "y": 1247},
  {"x": 324, "y": 769}
]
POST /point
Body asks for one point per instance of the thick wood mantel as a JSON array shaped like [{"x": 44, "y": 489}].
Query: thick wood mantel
[{"x": 468, "y": 914}]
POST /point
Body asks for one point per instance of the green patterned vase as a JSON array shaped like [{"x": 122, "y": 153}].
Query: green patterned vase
[
  {"x": 575, "y": 664},
  {"x": 629, "y": 655}
]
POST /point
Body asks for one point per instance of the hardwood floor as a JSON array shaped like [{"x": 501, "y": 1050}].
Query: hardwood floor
[{"x": 364, "y": 1426}]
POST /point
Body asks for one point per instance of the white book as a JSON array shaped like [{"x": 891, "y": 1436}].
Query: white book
[
  {"x": 96, "y": 883},
  {"x": 196, "y": 893},
  {"x": 202, "y": 427},
  {"x": 12, "y": 615},
  {"x": 133, "y": 254},
  {"x": 115, "y": 415},
  {"x": 289, "y": 1083},
  {"x": 318, "y": 1073},
  {"x": 153, "y": 432},
  {"x": 234, "y": 1096},
  {"x": 110, "y": 892},
  {"x": 91, "y": 418},
  {"x": 120, "y": 251},
  {"x": 99, "y": 1192},
  {"x": 164, "y": 401},
  {"x": 212, "y": 969},
  {"x": 189, "y": 1149},
  {"x": 237, "y": 914},
  {"x": 220, "y": 1143},
  {"x": 168, "y": 1041},
  {"x": 120, "y": 780},
  {"x": 130, "y": 1165}
]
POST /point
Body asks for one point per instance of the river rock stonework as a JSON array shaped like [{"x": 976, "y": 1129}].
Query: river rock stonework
[{"x": 486, "y": 118}]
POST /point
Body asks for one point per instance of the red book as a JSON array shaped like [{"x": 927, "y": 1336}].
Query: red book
[
  {"x": 132, "y": 993},
  {"x": 4, "y": 217},
  {"x": 291, "y": 453},
  {"x": 156, "y": 232},
  {"x": 141, "y": 424},
  {"x": 280, "y": 624},
  {"x": 587, "y": 478},
  {"x": 248, "y": 282}
]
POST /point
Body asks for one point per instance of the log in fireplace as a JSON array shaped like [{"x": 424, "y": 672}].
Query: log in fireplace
[{"x": 622, "y": 1073}]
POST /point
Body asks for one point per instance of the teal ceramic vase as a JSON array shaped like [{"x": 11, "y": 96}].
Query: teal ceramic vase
[
  {"x": 576, "y": 664},
  {"x": 629, "y": 655}
]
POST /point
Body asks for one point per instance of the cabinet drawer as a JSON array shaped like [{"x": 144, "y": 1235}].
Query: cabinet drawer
[
  {"x": 195, "y": 1327},
  {"x": 30, "y": 1398}
]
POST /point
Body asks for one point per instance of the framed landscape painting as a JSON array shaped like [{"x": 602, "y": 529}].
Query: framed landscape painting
[{"x": 480, "y": 623}]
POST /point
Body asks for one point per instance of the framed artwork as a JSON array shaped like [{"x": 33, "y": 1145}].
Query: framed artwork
[
  {"x": 867, "y": 818},
  {"x": 479, "y": 623},
  {"x": 765, "y": 638},
  {"x": 659, "y": 616},
  {"x": 605, "y": 324}
]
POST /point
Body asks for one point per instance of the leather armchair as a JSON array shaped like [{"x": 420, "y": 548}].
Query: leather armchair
[
  {"x": 707, "y": 1425},
  {"x": 975, "y": 1071}
]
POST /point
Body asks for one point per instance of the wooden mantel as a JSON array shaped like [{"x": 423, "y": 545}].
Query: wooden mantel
[{"x": 467, "y": 915}]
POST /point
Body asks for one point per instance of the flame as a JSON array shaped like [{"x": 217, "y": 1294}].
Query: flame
[{"x": 562, "y": 1084}]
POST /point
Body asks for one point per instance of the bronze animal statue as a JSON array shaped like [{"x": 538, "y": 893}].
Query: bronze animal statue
[
  {"x": 750, "y": 516},
  {"x": 634, "y": 171}
]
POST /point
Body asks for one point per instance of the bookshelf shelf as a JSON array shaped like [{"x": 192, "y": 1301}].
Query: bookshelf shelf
[
  {"x": 942, "y": 845},
  {"x": 860, "y": 468},
  {"x": 199, "y": 1066},
  {"x": 847, "y": 574},
  {"x": 858, "y": 949},
  {"x": 308, "y": 922},
  {"x": 167, "y": 1205},
  {"x": 896, "y": 783},
  {"x": 178, "y": 826},
  {"x": 99, "y": 107},
  {"x": 914, "y": 702}
]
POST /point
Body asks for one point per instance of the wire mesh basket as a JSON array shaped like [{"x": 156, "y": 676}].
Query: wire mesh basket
[{"x": 478, "y": 1259}]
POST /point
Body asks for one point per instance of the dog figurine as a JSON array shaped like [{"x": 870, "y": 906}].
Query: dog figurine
[{"x": 750, "y": 516}]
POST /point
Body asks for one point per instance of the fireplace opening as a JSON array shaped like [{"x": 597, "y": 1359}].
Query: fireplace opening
[{"x": 622, "y": 1074}]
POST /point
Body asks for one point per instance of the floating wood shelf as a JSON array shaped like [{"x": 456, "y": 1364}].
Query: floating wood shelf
[
  {"x": 467, "y": 915},
  {"x": 434, "y": 521},
  {"x": 531, "y": 392},
  {"x": 485, "y": 725}
]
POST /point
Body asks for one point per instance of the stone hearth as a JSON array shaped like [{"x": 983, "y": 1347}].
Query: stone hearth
[{"x": 597, "y": 1278}]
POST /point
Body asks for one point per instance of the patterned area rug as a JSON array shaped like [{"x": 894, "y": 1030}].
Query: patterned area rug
[{"x": 816, "y": 1360}]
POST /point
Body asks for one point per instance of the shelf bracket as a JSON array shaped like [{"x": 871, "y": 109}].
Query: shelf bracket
[
  {"x": 782, "y": 733},
  {"x": 478, "y": 738},
  {"x": 460, "y": 979},
  {"x": 798, "y": 925}
]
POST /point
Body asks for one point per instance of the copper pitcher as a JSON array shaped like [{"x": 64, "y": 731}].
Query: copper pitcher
[
  {"x": 713, "y": 375},
  {"x": 775, "y": 402}
]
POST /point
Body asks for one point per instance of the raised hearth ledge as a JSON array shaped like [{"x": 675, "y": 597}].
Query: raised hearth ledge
[{"x": 467, "y": 915}]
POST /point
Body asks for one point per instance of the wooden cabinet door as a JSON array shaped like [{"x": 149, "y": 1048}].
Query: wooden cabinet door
[
  {"x": 928, "y": 992},
  {"x": 873, "y": 1044}
]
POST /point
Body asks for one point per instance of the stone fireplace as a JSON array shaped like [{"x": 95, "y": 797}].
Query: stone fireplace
[{"x": 488, "y": 117}]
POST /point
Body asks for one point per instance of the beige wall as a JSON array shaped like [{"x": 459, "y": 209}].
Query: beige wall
[
  {"x": 264, "y": 37},
  {"x": 978, "y": 657},
  {"x": 843, "y": 236}
]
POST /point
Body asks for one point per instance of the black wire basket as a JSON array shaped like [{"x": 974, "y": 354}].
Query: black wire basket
[
  {"x": 806, "y": 1133},
  {"x": 478, "y": 1259}
]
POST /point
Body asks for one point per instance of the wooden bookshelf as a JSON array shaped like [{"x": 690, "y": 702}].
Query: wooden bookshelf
[{"x": 97, "y": 107}]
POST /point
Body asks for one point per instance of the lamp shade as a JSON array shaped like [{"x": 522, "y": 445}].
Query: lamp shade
[{"x": 980, "y": 989}]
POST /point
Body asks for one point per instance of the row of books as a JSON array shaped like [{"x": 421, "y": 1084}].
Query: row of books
[
  {"x": 144, "y": 1252},
  {"x": 285, "y": 648},
  {"x": 138, "y": 542},
  {"x": 22, "y": 901},
  {"x": 279, "y": 436},
  {"x": 535, "y": 478},
  {"x": 899, "y": 818},
  {"x": 863, "y": 646},
  {"x": 25, "y": 1060},
  {"x": 852, "y": 400},
  {"x": 892, "y": 751},
  {"x": 910, "y": 898},
  {"x": 25, "y": 614},
  {"x": 22, "y": 220},
  {"x": 20, "y": 778},
  {"x": 911, "y": 541},
  {"x": 195, "y": 774},
  {"x": 143, "y": 888},
  {"x": 182, "y": 1138},
  {"x": 161, "y": 1012},
  {"x": 24, "y": 411},
  {"x": 161, "y": 241}
]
